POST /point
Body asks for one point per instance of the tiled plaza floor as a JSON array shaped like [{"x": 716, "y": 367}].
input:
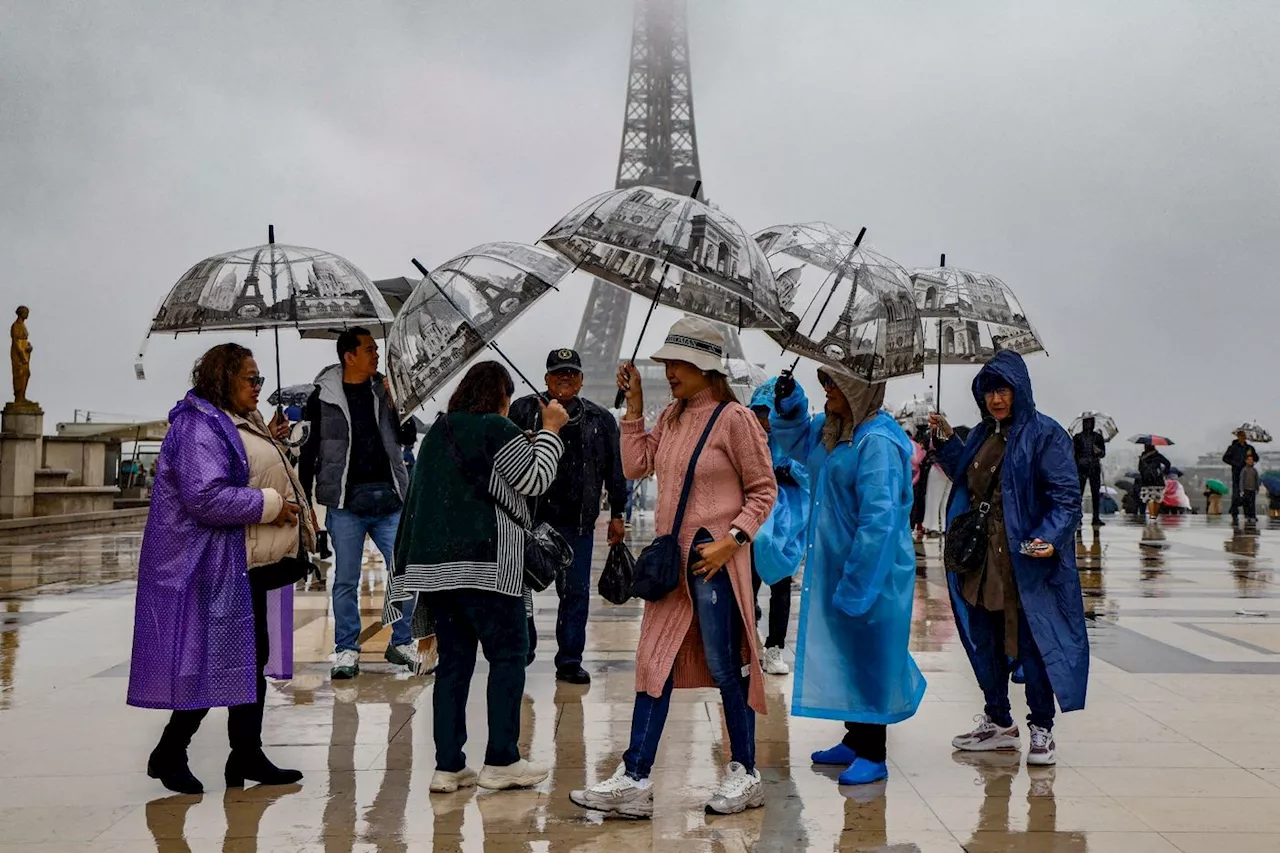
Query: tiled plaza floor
[{"x": 1179, "y": 749}]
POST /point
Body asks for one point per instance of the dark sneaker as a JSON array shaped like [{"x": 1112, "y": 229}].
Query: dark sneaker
[{"x": 573, "y": 675}]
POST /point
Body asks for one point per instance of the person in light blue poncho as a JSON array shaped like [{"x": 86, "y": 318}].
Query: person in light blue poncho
[
  {"x": 778, "y": 548},
  {"x": 852, "y": 658}
]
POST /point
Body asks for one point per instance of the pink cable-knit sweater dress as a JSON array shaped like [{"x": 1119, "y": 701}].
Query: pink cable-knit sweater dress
[{"x": 733, "y": 486}]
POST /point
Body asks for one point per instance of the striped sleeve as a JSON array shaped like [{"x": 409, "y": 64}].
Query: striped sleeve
[{"x": 529, "y": 466}]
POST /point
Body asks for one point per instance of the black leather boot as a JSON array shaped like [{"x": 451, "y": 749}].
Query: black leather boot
[
  {"x": 256, "y": 767},
  {"x": 170, "y": 767}
]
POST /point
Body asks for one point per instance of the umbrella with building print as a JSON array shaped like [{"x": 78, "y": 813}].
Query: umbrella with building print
[
  {"x": 844, "y": 305},
  {"x": 458, "y": 309},
  {"x": 969, "y": 317},
  {"x": 269, "y": 287},
  {"x": 1253, "y": 432},
  {"x": 673, "y": 250}
]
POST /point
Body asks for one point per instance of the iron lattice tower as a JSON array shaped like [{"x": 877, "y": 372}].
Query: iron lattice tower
[{"x": 660, "y": 149}]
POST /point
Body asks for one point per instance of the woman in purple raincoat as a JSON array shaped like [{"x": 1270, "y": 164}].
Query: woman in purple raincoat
[{"x": 200, "y": 637}]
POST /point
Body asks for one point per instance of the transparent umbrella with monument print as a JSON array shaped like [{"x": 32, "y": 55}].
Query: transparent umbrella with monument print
[
  {"x": 844, "y": 304},
  {"x": 269, "y": 287},
  {"x": 673, "y": 250},
  {"x": 969, "y": 317},
  {"x": 458, "y": 309}
]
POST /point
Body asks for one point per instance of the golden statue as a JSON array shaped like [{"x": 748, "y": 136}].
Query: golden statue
[{"x": 20, "y": 356}]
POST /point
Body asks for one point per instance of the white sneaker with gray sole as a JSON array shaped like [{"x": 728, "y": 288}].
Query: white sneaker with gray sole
[
  {"x": 618, "y": 795},
  {"x": 988, "y": 737}
]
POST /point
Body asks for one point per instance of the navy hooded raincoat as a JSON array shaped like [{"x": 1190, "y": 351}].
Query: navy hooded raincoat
[{"x": 1041, "y": 501}]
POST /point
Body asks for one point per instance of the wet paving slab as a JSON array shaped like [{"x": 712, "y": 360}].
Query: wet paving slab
[{"x": 1176, "y": 751}]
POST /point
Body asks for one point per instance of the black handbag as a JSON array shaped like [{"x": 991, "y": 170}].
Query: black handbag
[
  {"x": 965, "y": 549},
  {"x": 618, "y": 576},
  {"x": 547, "y": 555},
  {"x": 659, "y": 566}
]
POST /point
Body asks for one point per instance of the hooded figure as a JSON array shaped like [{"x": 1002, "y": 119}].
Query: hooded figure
[
  {"x": 779, "y": 545},
  {"x": 853, "y": 662},
  {"x": 1038, "y": 499}
]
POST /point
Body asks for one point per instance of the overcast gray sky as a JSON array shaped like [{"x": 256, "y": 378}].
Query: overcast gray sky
[{"x": 1118, "y": 164}]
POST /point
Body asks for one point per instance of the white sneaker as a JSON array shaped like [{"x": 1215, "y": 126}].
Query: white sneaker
[
  {"x": 1043, "y": 749},
  {"x": 773, "y": 662},
  {"x": 619, "y": 794},
  {"x": 345, "y": 665},
  {"x": 444, "y": 782},
  {"x": 522, "y": 774},
  {"x": 738, "y": 791},
  {"x": 988, "y": 737}
]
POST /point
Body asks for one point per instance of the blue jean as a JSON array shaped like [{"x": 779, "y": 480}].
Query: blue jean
[
  {"x": 986, "y": 628},
  {"x": 574, "y": 589},
  {"x": 720, "y": 621},
  {"x": 346, "y": 533}
]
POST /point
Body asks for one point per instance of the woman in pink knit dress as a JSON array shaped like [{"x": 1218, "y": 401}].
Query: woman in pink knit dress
[{"x": 701, "y": 634}]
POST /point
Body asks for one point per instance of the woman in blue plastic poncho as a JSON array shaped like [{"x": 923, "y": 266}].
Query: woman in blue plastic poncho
[
  {"x": 778, "y": 548},
  {"x": 852, "y": 662},
  {"x": 1024, "y": 608}
]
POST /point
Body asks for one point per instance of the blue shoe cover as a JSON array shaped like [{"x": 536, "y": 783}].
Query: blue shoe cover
[
  {"x": 864, "y": 772},
  {"x": 837, "y": 756}
]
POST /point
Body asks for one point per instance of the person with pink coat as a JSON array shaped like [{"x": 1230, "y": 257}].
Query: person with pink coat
[{"x": 701, "y": 634}]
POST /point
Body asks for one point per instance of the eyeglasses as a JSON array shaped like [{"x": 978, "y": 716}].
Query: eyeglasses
[
  {"x": 257, "y": 381},
  {"x": 1003, "y": 393}
]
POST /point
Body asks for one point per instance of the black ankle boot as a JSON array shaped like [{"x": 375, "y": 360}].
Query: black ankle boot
[
  {"x": 172, "y": 771},
  {"x": 254, "y": 766}
]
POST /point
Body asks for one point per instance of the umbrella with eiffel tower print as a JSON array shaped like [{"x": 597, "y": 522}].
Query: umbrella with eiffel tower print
[{"x": 845, "y": 305}]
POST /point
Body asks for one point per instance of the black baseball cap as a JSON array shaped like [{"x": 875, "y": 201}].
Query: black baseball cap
[{"x": 563, "y": 359}]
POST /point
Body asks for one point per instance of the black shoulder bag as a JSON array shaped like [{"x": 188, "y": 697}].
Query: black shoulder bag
[
  {"x": 965, "y": 550},
  {"x": 659, "y": 566},
  {"x": 546, "y": 554}
]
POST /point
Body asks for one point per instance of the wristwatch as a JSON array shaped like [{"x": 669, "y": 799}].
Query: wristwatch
[{"x": 741, "y": 538}]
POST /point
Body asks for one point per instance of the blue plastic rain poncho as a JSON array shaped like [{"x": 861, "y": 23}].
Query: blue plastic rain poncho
[
  {"x": 1041, "y": 501},
  {"x": 852, "y": 661},
  {"x": 779, "y": 544}
]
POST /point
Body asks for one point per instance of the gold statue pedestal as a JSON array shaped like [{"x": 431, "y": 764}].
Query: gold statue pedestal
[{"x": 21, "y": 431}]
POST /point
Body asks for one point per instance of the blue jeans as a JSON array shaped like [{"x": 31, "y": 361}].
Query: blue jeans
[
  {"x": 986, "y": 628},
  {"x": 720, "y": 621},
  {"x": 346, "y": 533},
  {"x": 574, "y": 589}
]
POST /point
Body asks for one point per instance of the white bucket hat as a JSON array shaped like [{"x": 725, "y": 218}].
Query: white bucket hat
[{"x": 696, "y": 341}]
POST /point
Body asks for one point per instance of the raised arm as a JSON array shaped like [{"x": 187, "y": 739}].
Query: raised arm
[
  {"x": 639, "y": 447},
  {"x": 749, "y": 452},
  {"x": 792, "y": 427},
  {"x": 529, "y": 465},
  {"x": 200, "y": 456}
]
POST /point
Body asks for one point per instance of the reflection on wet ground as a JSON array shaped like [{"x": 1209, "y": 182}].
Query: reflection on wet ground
[{"x": 1176, "y": 751}]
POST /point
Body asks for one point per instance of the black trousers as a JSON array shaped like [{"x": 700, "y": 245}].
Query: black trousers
[
  {"x": 867, "y": 740},
  {"x": 244, "y": 722},
  {"x": 1092, "y": 474},
  {"x": 779, "y": 608}
]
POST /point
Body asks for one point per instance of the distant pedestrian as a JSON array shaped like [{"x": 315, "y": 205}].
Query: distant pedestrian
[
  {"x": 1250, "y": 482},
  {"x": 1153, "y": 472},
  {"x": 591, "y": 465},
  {"x": 700, "y": 634},
  {"x": 1090, "y": 449},
  {"x": 1235, "y": 458},
  {"x": 1024, "y": 611}
]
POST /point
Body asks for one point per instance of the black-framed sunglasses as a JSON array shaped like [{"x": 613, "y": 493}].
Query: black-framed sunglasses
[
  {"x": 824, "y": 380},
  {"x": 257, "y": 381}
]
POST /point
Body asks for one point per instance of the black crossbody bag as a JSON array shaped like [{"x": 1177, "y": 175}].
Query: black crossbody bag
[
  {"x": 965, "y": 551},
  {"x": 659, "y": 566},
  {"x": 546, "y": 554}
]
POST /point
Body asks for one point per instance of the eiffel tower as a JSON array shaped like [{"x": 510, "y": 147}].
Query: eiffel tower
[{"x": 659, "y": 149}]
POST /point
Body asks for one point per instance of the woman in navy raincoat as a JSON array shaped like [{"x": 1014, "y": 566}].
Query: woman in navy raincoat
[
  {"x": 778, "y": 548},
  {"x": 1025, "y": 608},
  {"x": 852, "y": 659}
]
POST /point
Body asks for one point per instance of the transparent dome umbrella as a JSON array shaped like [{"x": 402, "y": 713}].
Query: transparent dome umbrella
[
  {"x": 671, "y": 249},
  {"x": 1254, "y": 432},
  {"x": 268, "y": 287},
  {"x": 458, "y": 309},
  {"x": 969, "y": 317},
  {"x": 394, "y": 290},
  {"x": 1102, "y": 422},
  {"x": 915, "y": 411},
  {"x": 744, "y": 377},
  {"x": 844, "y": 305}
]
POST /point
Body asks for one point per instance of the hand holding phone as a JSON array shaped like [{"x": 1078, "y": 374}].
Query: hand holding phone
[{"x": 1037, "y": 549}]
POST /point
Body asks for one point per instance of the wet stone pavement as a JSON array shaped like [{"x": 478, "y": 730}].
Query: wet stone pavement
[{"x": 1177, "y": 750}]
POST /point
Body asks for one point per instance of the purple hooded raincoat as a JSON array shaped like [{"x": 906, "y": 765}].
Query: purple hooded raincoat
[{"x": 193, "y": 643}]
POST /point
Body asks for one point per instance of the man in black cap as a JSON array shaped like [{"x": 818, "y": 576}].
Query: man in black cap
[{"x": 592, "y": 463}]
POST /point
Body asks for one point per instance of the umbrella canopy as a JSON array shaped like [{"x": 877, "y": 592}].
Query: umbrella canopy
[
  {"x": 677, "y": 250},
  {"x": 458, "y": 309},
  {"x": 1271, "y": 484},
  {"x": 970, "y": 316},
  {"x": 292, "y": 395},
  {"x": 1109, "y": 490},
  {"x": 915, "y": 411},
  {"x": 394, "y": 290},
  {"x": 1103, "y": 423},
  {"x": 1253, "y": 432},
  {"x": 1217, "y": 487},
  {"x": 1125, "y": 484},
  {"x": 845, "y": 305},
  {"x": 1147, "y": 438}
]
